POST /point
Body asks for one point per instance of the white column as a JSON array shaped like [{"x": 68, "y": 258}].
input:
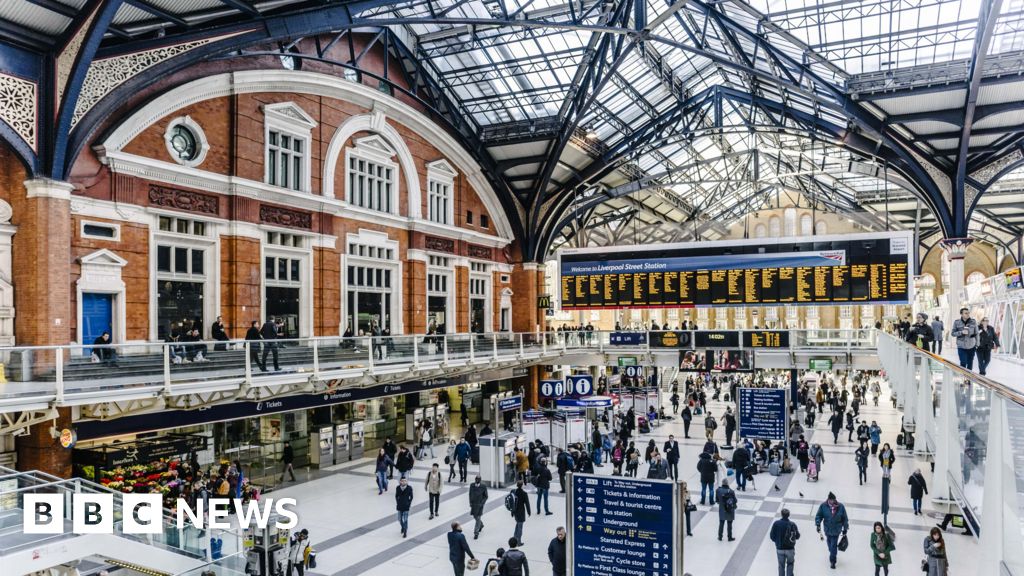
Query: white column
[
  {"x": 947, "y": 453},
  {"x": 956, "y": 250},
  {"x": 6, "y": 276},
  {"x": 908, "y": 389},
  {"x": 923, "y": 419},
  {"x": 1000, "y": 522}
]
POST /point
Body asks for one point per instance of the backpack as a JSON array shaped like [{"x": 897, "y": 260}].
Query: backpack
[
  {"x": 729, "y": 502},
  {"x": 510, "y": 502},
  {"x": 792, "y": 534}
]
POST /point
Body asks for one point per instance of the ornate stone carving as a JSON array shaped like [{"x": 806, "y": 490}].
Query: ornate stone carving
[
  {"x": 956, "y": 248},
  {"x": 439, "y": 244},
  {"x": 18, "y": 106},
  {"x": 184, "y": 200},
  {"x": 286, "y": 217},
  {"x": 106, "y": 74},
  {"x": 481, "y": 252},
  {"x": 67, "y": 56}
]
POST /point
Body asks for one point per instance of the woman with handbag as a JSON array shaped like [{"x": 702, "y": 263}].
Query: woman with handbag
[
  {"x": 881, "y": 549},
  {"x": 935, "y": 562}
]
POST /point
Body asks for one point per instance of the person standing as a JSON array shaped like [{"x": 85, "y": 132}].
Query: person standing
[
  {"x": 463, "y": 451},
  {"x": 269, "y": 333},
  {"x": 835, "y": 421},
  {"x": 672, "y": 456},
  {"x": 513, "y": 562},
  {"x": 832, "y": 518},
  {"x": 403, "y": 502},
  {"x": 458, "y": 549},
  {"x": 816, "y": 455},
  {"x": 477, "y": 499},
  {"x": 674, "y": 399},
  {"x": 433, "y": 488},
  {"x": 381, "y": 470},
  {"x": 404, "y": 461},
  {"x": 938, "y": 329},
  {"x": 920, "y": 333},
  {"x": 542, "y": 480},
  {"x": 253, "y": 337},
  {"x": 707, "y": 470},
  {"x": 564, "y": 464},
  {"x": 710, "y": 425},
  {"x": 881, "y": 549},
  {"x": 875, "y": 434},
  {"x": 730, "y": 426},
  {"x": 449, "y": 459},
  {"x": 296, "y": 552},
  {"x": 727, "y": 504},
  {"x": 687, "y": 417},
  {"x": 287, "y": 458},
  {"x": 965, "y": 330},
  {"x": 987, "y": 341},
  {"x": 392, "y": 451},
  {"x": 740, "y": 461},
  {"x": 935, "y": 553},
  {"x": 556, "y": 552},
  {"x": 658, "y": 469},
  {"x": 918, "y": 488},
  {"x": 862, "y": 463},
  {"x": 520, "y": 510},
  {"x": 886, "y": 457},
  {"x": 784, "y": 534}
]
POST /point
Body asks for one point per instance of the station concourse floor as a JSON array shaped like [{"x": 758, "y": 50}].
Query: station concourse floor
[{"x": 355, "y": 532}]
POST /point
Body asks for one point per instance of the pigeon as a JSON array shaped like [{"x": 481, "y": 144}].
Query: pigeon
[
  {"x": 777, "y": 487},
  {"x": 801, "y": 494}
]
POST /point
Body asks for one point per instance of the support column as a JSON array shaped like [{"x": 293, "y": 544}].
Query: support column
[
  {"x": 956, "y": 250},
  {"x": 42, "y": 295},
  {"x": 527, "y": 285},
  {"x": 922, "y": 422},
  {"x": 1000, "y": 521},
  {"x": 947, "y": 452}
]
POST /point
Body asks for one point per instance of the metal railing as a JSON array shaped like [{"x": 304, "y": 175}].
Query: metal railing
[{"x": 973, "y": 427}]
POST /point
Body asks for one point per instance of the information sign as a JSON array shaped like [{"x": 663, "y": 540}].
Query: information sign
[
  {"x": 510, "y": 403},
  {"x": 627, "y": 361},
  {"x": 624, "y": 527},
  {"x": 765, "y": 339},
  {"x": 627, "y": 338},
  {"x": 579, "y": 385},
  {"x": 821, "y": 364},
  {"x": 552, "y": 388},
  {"x": 762, "y": 413}
]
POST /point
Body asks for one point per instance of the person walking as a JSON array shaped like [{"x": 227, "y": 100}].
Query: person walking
[
  {"x": 861, "y": 456},
  {"x": 433, "y": 487},
  {"x": 918, "y": 488},
  {"x": 392, "y": 451},
  {"x": 296, "y": 552},
  {"x": 920, "y": 333},
  {"x": 710, "y": 425},
  {"x": 740, "y": 461},
  {"x": 674, "y": 399},
  {"x": 832, "y": 518},
  {"x": 727, "y": 504},
  {"x": 564, "y": 464},
  {"x": 556, "y": 552},
  {"x": 816, "y": 455},
  {"x": 965, "y": 330},
  {"x": 542, "y": 481},
  {"x": 463, "y": 452},
  {"x": 875, "y": 434},
  {"x": 881, "y": 549},
  {"x": 803, "y": 453},
  {"x": 835, "y": 421},
  {"x": 707, "y": 469},
  {"x": 520, "y": 510},
  {"x": 513, "y": 562},
  {"x": 935, "y": 553},
  {"x": 449, "y": 459},
  {"x": 672, "y": 454},
  {"x": 987, "y": 341},
  {"x": 886, "y": 457},
  {"x": 658, "y": 469},
  {"x": 269, "y": 333},
  {"x": 403, "y": 502},
  {"x": 458, "y": 549},
  {"x": 477, "y": 499},
  {"x": 618, "y": 457},
  {"x": 381, "y": 470},
  {"x": 253, "y": 337},
  {"x": 287, "y": 459},
  {"x": 938, "y": 328},
  {"x": 784, "y": 534},
  {"x": 687, "y": 416},
  {"x": 404, "y": 461}
]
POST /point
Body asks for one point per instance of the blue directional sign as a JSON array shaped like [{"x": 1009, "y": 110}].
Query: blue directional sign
[
  {"x": 623, "y": 527},
  {"x": 510, "y": 403},
  {"x": 762, "y": 413},
  {"x": 579, "y": 385},
  {"x": 627, "y": 338},
  {"x": 552, "y": 388}
]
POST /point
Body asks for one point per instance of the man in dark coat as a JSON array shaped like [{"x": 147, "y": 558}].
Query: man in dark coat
[
  {"x": 726, "y": 508},
  {"x": 392, "y": 451},
  {"x": 403, "y": 502},
  {"x": 740, "y": 461},
  {"x": 542, "y": 481},
  {"x": 520, "y": 511},
  {"x": 687, "y": 417},
  {"x": 253, "y": 337},
  {"x": 458, "y": 549},
  {"x": 672, "y": 455},
  {"x": 836, "y": 423},
  {"x": 556, "y": 553},
  {"x": 832, "y": 517},
  {"x": 477, "y": 499},
  {"x": 730, "y": 426},
  {"x": 269, "y": 333},
  {"x": 707, "y": 469},
  {"x": 404, "y": 462}
]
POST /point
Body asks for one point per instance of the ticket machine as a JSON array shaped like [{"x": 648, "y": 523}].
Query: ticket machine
[
  {"x": 342, "y": 442},
  {"x": 266, "y": 549}
]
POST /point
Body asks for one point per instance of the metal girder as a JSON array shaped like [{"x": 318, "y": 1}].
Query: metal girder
[{"x": 18, "y": 423}]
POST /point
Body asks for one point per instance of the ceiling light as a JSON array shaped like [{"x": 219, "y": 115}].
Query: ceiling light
[{"x": 591, "y": 133}]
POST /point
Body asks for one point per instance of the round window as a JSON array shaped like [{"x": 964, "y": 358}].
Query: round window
[{"x": 186, "y": 142}]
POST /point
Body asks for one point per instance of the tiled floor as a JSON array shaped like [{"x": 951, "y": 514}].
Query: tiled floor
[{"x": 355, "y": 531}]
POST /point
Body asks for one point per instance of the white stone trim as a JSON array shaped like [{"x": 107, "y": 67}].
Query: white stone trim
[
  {"x": 373, "y": 123},
  {"x": 46, "y": 188},
  {"x": 376, "y": 150},
  {"x": 201, "y": 142},
  {"x": 290, "y": 81},
  {"x": 381, "y": 240},
  {"x": 442, "y": 172},
  {"x": 7, "y": 311},
  {"x": 101, "y": 274},
  {"x": 289, "y": 118},
  {"x": 416, "y": 255}
]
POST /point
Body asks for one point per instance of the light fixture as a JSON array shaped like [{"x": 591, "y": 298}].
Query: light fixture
[{"x": 591, "y": 133}]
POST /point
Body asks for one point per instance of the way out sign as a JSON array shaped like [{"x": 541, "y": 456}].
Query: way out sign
[{"x": 621, "y": 526}]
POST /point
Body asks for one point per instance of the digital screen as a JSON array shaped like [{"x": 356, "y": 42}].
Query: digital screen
[
  {"x": 732, "y": 360},
  {"x": 765, "y": 339},
  {"x": 855, "y": 268},
  {"x": 693, "y": 361}
]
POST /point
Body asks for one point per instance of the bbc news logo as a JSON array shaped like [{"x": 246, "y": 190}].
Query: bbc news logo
[{"x": 143, "y": 514}]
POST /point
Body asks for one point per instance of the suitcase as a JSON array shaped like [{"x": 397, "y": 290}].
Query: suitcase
[{"x": 774, "y": 469}]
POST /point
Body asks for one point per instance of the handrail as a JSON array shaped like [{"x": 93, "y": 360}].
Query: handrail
[{"x": 997, "y": 387}]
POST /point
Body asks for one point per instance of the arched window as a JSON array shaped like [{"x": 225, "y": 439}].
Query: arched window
[
  {"x": 760, "y": 231},
  {"x": 975, "y": 277},
  {"x": 820, "y": 228},
  {"x": 775, "y": 227},
  {"x": 790, "y": 217},
  {"x": 806, "y": 227}
]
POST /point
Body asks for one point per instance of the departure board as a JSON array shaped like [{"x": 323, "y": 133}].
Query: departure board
[{"x": 854, "y": 269}]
